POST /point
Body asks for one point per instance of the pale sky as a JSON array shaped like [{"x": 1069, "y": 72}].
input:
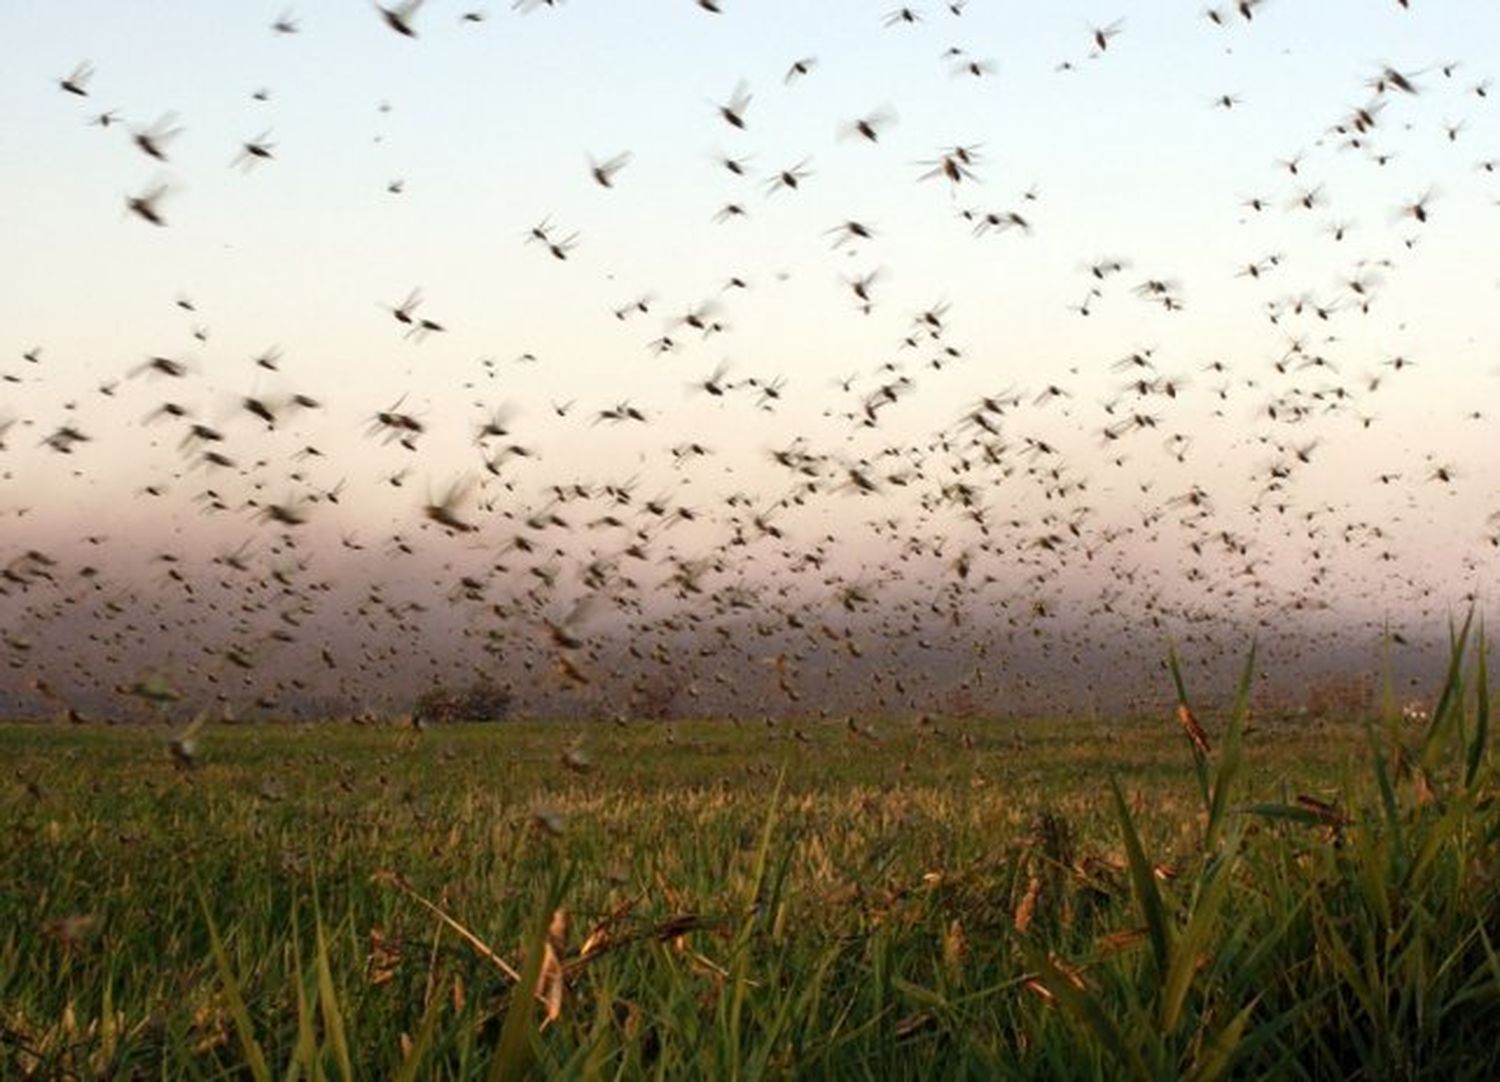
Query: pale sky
[{"x": 490, "y": 128}]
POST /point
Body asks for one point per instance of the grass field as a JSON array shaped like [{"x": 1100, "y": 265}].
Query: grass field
[{"x": 1293, "y": 898}]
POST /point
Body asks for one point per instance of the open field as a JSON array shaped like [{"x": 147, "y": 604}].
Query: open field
[
  {"x": 952, "y": 898},
  {"x": 614, "y": 540}
]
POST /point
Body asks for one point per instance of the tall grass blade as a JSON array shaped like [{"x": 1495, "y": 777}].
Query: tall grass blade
[
  {"x": 1193, "y": 942},
  {"x": 328, "y": 999},
  {"x": 1144, "y": 882},
  {"x": 1450, "y": 699},
  {"x": 1085, "y": 1010},
  {"x": 411, "y": 1066},
  {"x": 1219, "y": 1049},
  {"x": 1230, "y": 754},
  {"x": 1475, "y": 757},
  {"x": 255, "y": 1059},
  {"x": 1185, "y": 710},
  {"x": 304, "y": 1059},
  {"x": 517, "y": 1051},
  {"x": 742, "y": 941}
]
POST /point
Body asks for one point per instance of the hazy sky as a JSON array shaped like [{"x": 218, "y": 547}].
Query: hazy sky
[{"x": 490, "y": 126}]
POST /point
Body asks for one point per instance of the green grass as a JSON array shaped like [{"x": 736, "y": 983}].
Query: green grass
[{"x": 1051, "y": 898}]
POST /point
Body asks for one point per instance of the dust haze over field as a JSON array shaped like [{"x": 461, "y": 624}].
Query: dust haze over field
[{"x": 782, "y": 358}]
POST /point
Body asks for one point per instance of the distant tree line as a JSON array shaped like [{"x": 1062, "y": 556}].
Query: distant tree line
[{"x": 482, "y": 700}]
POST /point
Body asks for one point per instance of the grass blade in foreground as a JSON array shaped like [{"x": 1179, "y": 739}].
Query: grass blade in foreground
[
  {"x": 255, "y": 1059},
  {"x": 866, "y": 927}
]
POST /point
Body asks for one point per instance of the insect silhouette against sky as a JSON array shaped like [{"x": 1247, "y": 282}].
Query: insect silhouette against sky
[{"x": 924, "y": 350}]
